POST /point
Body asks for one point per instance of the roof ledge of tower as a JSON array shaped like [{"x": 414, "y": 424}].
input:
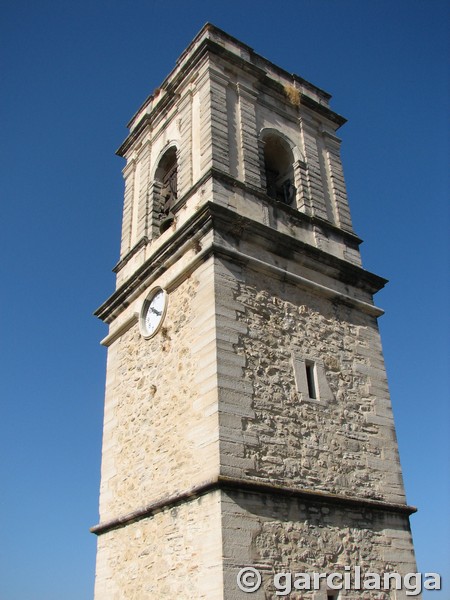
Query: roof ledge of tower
[{"x": 211, "y": 38}]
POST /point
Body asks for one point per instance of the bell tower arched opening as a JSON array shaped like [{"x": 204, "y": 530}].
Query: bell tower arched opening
[
  {"x": 279, "y": 169},
  {"x": 166, "y": 184}
]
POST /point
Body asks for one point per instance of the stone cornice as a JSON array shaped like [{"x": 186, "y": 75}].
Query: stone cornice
[
  {"x": 351, "y": 238},
  {"x": 208, "y": 46},
  {"x": 294, "y": 212},
  {"x": 140, "y": 244},
  {"x": 343, "y": 270},
  {"x": 222, "y": 219},
  {"x": 226, "y": 484},
  {"x": 282, "y": 274},
  {"x": 200, "y": 223}
]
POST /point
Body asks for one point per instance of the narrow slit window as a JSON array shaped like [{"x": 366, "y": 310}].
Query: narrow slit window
[
  {"x": 331, "y": 596},
  {"x": 311, "y": 380}
]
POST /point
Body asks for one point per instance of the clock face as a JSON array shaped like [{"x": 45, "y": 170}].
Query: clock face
[{"x": 153, "y": 312}]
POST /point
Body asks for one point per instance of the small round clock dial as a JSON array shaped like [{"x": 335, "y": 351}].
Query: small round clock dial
[{"x": 153, "y": 312}]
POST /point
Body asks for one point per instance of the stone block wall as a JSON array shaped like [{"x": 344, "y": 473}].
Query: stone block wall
[
  {"x": 344, "y": 444},
  {"x": 278, "y": 534},
  {"x": 160, "y": 425},
  {"x": 175, "y": 553}
]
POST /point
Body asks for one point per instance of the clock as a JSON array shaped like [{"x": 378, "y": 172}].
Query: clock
[{"x": 153, "y": 312}]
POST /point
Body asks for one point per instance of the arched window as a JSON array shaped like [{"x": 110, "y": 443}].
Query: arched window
[
  {"x": 279, "y": 170},
  {"x": 166, "y": 182}
]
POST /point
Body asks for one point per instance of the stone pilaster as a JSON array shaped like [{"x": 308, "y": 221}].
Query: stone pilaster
[
  {"x": 219, "y": 121},
  {"x": 129, "y": 174},
  {"x": 337, "y": 182},
  {"x": 203, "y": 86},
  {"x": 301, "y": 183},
  {"x": 142, "y": 224},
  {"x": 249, "y": 135},
  {"x": 185, "y": 152},
  {"x": 314, "y": 171}
]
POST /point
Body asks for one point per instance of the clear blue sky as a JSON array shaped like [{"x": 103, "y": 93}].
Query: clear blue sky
[{"x": 73, "y": 73}]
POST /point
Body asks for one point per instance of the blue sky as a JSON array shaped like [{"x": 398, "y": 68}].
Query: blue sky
[{"x": 73, "y": 74}]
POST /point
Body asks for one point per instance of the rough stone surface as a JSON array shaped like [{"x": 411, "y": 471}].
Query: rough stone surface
[
  {"x": 278, "y": 535},
  {"x": 160, "y": 432},
  {"x": 346, "y": 445},
  {"x": 177, "y": 553}
]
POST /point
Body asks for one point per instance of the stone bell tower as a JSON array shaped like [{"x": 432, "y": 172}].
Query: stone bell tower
[{"x": 247, "y": 413}]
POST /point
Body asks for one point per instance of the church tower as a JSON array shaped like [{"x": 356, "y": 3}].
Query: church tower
[{"x": 247, "y": 412}]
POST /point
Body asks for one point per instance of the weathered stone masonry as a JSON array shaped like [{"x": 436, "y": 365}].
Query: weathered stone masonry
[
  {"x": 342, "y": 446},
  {"x": 255, "y": 426}
]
